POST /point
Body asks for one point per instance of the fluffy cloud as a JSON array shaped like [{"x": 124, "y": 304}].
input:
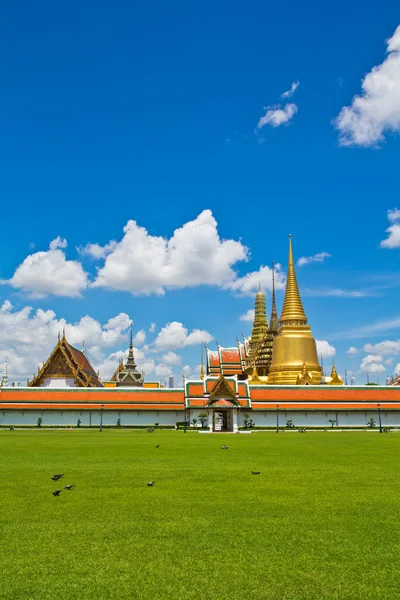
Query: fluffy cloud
[
  {"x": 248, "y": 284},
  {"x": 96, "y": 251},
  {"x": 277, "y": 115},
  {"x": 139, "y": 337},
  {"x": 289, "y": 93},
  {"x": 352, "y": 350},
  {"x": 385, "y": 348},
  {"x": 393, "y": 239},
  {"x": 27, "y": 337},
  {"x": 319, "y": 257},
  {"x": 175, "y": 335},
  {"x": 248, "y": 316},
  {"x": 50, "y": 272},
  {"x": 377, "y": 109},
  {"x": 325, "y": 349},
  {"x": 195, "y": 255},
  {"x": 372, "y": 363},
  {"x": 171, "y": 358},
  {"x": 163, "y": 370},
  {"x": 152, "y": 328}
]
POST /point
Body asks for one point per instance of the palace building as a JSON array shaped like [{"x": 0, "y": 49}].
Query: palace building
[{"x": 269, "y": 379}]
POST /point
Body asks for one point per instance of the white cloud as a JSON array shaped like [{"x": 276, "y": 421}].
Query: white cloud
[
  {"x": 372, "y": 364},
  {"x": 277, "y": 115},
  {"x": 248, "y": 316},
  {"x": 248, "y": 284},
  {"x": 325, "y": 349},
  {"x": 171, "y": 358},
  {"x": 96, "y": 251},
  {"x": 289, "y": 93},
  {"x": 27, "y": 337},
  {"x": 365, "y": 331},
  {"x": 175, "y": 335},
  {"x": 385, "y": 348},
  {"x": 319, "y": 257},
  {"x": 139, "y": 337},
  {"x": 339, "y": 293},
  {"x": 152, "y": 328},
  {"x": 352, "y": 350},
  {"x": 396, "y": 369},
  {"x": 163, "y": 370},
  {"x": 393, "y": 240},
  {"x": 50, "y": 272},
  {"x": 376, "y": 110},
  {"x": 195, "y": 255}
]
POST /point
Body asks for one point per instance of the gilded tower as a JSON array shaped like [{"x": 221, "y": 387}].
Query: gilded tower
[
  {"x": 294, "y": 350},
  {"x": 264, "y": 353},
  {"x": 260, "y": 324}
]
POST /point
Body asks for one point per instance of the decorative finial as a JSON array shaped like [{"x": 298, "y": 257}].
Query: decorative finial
[
  {"x": 59, "y": 335},
  {"x": 201, "y": 364},
  {"x": 83, "y": 346},
  {"x": 259, "y": 286},
  {"x": 64, "y": 332},
  {"x": 293, "y": 310}
]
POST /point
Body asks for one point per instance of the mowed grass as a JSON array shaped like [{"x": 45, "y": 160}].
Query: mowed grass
[{"x": 322, "y": 520}]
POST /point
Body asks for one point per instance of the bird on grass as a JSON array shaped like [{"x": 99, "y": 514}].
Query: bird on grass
[
  {"x": 256, "y": 472},
  {"x": 224, "y": 447},
  {"x": 158, "y": 446},
  {"x": 151, "y": 483},
  {"x": 69, "y": 486},
  {"x": 57, "y": 476},
  {"x": 56, "y": 492}
]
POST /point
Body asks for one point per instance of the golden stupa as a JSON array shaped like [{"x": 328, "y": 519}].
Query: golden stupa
[{"x": 294, "y": 353}]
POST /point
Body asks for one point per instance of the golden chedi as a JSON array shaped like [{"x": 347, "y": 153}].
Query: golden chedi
[{"x": 294, "y": 354}]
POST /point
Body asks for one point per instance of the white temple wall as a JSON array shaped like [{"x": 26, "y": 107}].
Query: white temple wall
[
  {"x": 150, "y": 417},
  {"x": 52, "y": 382}
]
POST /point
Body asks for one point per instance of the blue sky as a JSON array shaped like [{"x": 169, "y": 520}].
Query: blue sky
[{"x": 156, "y": 112}]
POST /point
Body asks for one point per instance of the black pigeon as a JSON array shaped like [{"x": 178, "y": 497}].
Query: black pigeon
[
  {"x": 56, "y": 492},
  {"x": 69, "y": 486},
  {"x": 57, "y": 476},
  {"x": 158, "y": 446},
  {"x": 151, "y": 483},
  {"x": 256, "y": 472}
]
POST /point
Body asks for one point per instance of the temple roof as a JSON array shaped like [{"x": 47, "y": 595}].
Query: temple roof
[
  {"x": 67, "y": 361},
  {"x": 292, "y": 306}
]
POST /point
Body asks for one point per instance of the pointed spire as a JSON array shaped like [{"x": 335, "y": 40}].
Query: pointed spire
[
  {"x": 63, "y": 333},
  {"x": 83, "y": 346},
  {"x": 58, "y": 335},
  {"x": 201, "y": 365},
  {"x": 292, "y": 307},
  {"x": 4, "y": 379},
  {"x": 130, "y": 363},
  {"x": 274, "y": 321},
  {"x": 260, "y": 322}
]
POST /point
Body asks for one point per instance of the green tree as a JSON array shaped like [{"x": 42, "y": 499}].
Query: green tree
[
  {"x": 156, "y": 424},
  {"x": 39, "y": 422},
  {"x": 332, "y": 422},
  {"x": 203, "y": 418},
  {"x": 289, "y": 424},
  {"x": 371, "y": 423},
  {"x": 78, "y": 423},
  {"x": 118, "y": 422},
  {"x": 194, "y": 421}
]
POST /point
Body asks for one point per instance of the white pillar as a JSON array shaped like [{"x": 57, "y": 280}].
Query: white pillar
[
  {"x": 235, "y": 420},
  {"x": 211, "y": 419}
]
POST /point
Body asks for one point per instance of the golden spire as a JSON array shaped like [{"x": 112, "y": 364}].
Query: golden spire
[
  {"x": 292, "y": 307},
  {"x": 201, "y": 364},
  {"x": 260, "y": 323},
  {"x": 274, "y": 321}
]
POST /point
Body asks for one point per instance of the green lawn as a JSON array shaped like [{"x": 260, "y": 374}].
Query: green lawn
[{"x": 321, "y": 521}]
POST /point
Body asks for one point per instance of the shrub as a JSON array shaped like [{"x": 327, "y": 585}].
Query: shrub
[
  {"x": 194, "y": 421},
  {"x": 332, "y": 422},
  {"x": 156, "y": 424},
  {"x": 118, "y": 422},
  {"x": 248, "y": 422},
  {"x": 289, "y": 424},
  {"x": 39, "y": 422},
  {"x": 371, "y": 423},
  {"x": 203, "y": 418},
  {"x": 78, "y": 423}
]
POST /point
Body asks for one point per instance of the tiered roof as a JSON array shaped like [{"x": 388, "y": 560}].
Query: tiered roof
[{"x": 66, "y": 361}]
